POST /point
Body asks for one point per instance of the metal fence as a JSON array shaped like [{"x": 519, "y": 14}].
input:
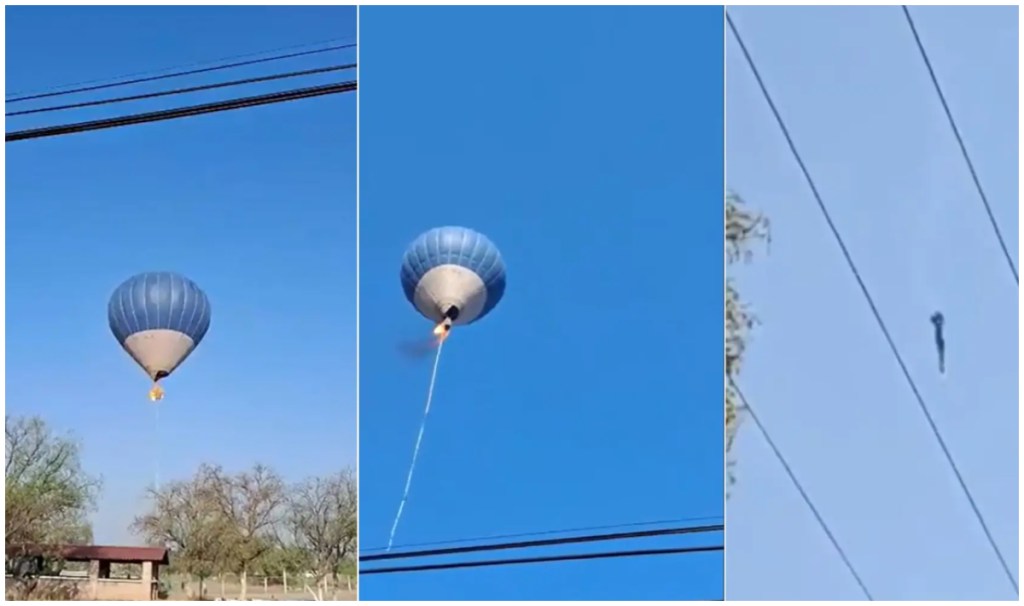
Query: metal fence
[{"x": 259, "y": 587}]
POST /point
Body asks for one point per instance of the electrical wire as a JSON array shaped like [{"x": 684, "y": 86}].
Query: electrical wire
[
  {"x": 544, "y": 559},
  {"x": 803, "y": 493},
  {"x": 871, "y": 303},
  {"x": 190, "y": 89},
  {"x": 574, "y": 540},
  {"x": 495, "y": 537},
  {"x": 178, "y": 74},
  {"x": 178, "y": 67},
  {"x": 960, "y": 142},
  {"x": 183, "y": 112}
]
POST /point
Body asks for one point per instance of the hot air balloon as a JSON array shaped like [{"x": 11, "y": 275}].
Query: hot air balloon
[
  {"x": 453, "y": 276},
  {"x": 158, "y": 318}
]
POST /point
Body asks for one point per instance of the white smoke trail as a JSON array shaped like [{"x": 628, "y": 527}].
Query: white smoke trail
[
  {"x": 156, "y": 444},
  {"x": 416, "y": 449}
]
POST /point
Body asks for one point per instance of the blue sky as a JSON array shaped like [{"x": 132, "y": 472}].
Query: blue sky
[
  {"x": 257, "y": 206},
  {"x": 587, "y": 143},
  {"x": 867, "y": 121}
]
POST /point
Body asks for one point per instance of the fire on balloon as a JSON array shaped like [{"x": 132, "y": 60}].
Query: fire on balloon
[
  {"x": 156, "y": 394},
  {"x": 442, "y": 330}
]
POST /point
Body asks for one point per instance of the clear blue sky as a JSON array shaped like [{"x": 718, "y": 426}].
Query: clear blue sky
[
  {"x": 587, "y": 143},
  {"x": 856, "y": 95},
  {"x": 257, "y": 206}
]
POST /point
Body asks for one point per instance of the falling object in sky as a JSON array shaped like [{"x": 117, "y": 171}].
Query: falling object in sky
[
  {"x": 940, "y": 342},
  {"x": 158, "y": 318},
  {"x": 453, "y": 276}
]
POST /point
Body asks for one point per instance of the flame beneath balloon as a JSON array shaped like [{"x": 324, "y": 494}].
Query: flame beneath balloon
[
  {"x": 441, "y": 331},
  {"x": 156, "y": 394}
]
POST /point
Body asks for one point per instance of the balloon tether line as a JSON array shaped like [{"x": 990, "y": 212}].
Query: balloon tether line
[{"x": 416, "y": 449}]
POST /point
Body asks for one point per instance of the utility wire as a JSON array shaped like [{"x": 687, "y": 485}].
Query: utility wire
[
  {"x": 178, "y": 74},
  {"x": 190, "y": 89},
  {"x": 574, "y": 540},
  {"x": 960, "y": 141},
  {"x": 495, "y": 537},
  {"x": 183, "y": 112},
  {"x": 179, "y": 67},
  {"x": 871, "y": 303},
  {"x": 544, "y": 559},
  {"x": 803, "y": 493}
]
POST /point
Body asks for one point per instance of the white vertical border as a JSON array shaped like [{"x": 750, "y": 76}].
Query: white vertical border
[
  {"x": 725, "y": 319},
  {"x": 359, "y": 492}
]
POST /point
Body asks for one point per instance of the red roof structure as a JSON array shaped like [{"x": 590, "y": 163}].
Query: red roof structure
[{"x": 108, "y": 553}]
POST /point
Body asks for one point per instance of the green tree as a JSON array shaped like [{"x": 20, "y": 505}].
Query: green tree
[
  {"x": 185, "y": 518},
  {"x": 283, "y": 558},
  {"x": 743, "y": 226},
  {"x": 48, "y": 496}
]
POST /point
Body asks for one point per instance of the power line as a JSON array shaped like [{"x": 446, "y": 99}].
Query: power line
[
  {"x": 279, "y": 49},
  {"x": 803, "y": 493},
  {"x": 963, "y": 146},
  {"x": 178, "y": 74},
  {"x": 544, "y": 559},
  {"x": 183, "y": 112},
  {"x": 871, "y": 303},
  {"x": 496, "y": 537},
  {"x": 591, "y": 538},
  {"x": 190, "y": 89}
]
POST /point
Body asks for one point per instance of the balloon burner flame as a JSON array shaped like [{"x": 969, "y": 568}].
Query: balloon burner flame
[
  {"x": 442, "y": 330},
  {"x": 156, "y": 394}
]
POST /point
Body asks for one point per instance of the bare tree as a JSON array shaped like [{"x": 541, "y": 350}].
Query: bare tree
[
  {"x": 250, "y": 522},
  {"x": 185, "y": 518},
  {"x": 251, "y": 505},
  {"x": 322, "y": 519},
  {"x": 742, "y": 227}
]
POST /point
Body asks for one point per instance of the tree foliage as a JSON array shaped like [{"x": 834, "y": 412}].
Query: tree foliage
[
  {"x": 47, "y": 498},
  {"x": 253, "y": 522},
  {"x": 322, "y": 522},
  {"x": 184, "y": 518},
  {"x": 743, "y": 227},
  {"x": 48, "y": 495},
  {"x": 250, "y": 504}
]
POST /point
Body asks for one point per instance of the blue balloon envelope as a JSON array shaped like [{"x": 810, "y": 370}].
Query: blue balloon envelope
[
  {"x": 159, "y": 318},
  {"x": 453, "y": 274}
]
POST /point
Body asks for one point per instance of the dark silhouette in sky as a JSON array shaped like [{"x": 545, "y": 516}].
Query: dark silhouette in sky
[{"x": 940, "y": 342}]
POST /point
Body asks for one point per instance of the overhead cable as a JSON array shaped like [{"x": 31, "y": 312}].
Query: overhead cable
[{"x": 183, "y": 112}]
